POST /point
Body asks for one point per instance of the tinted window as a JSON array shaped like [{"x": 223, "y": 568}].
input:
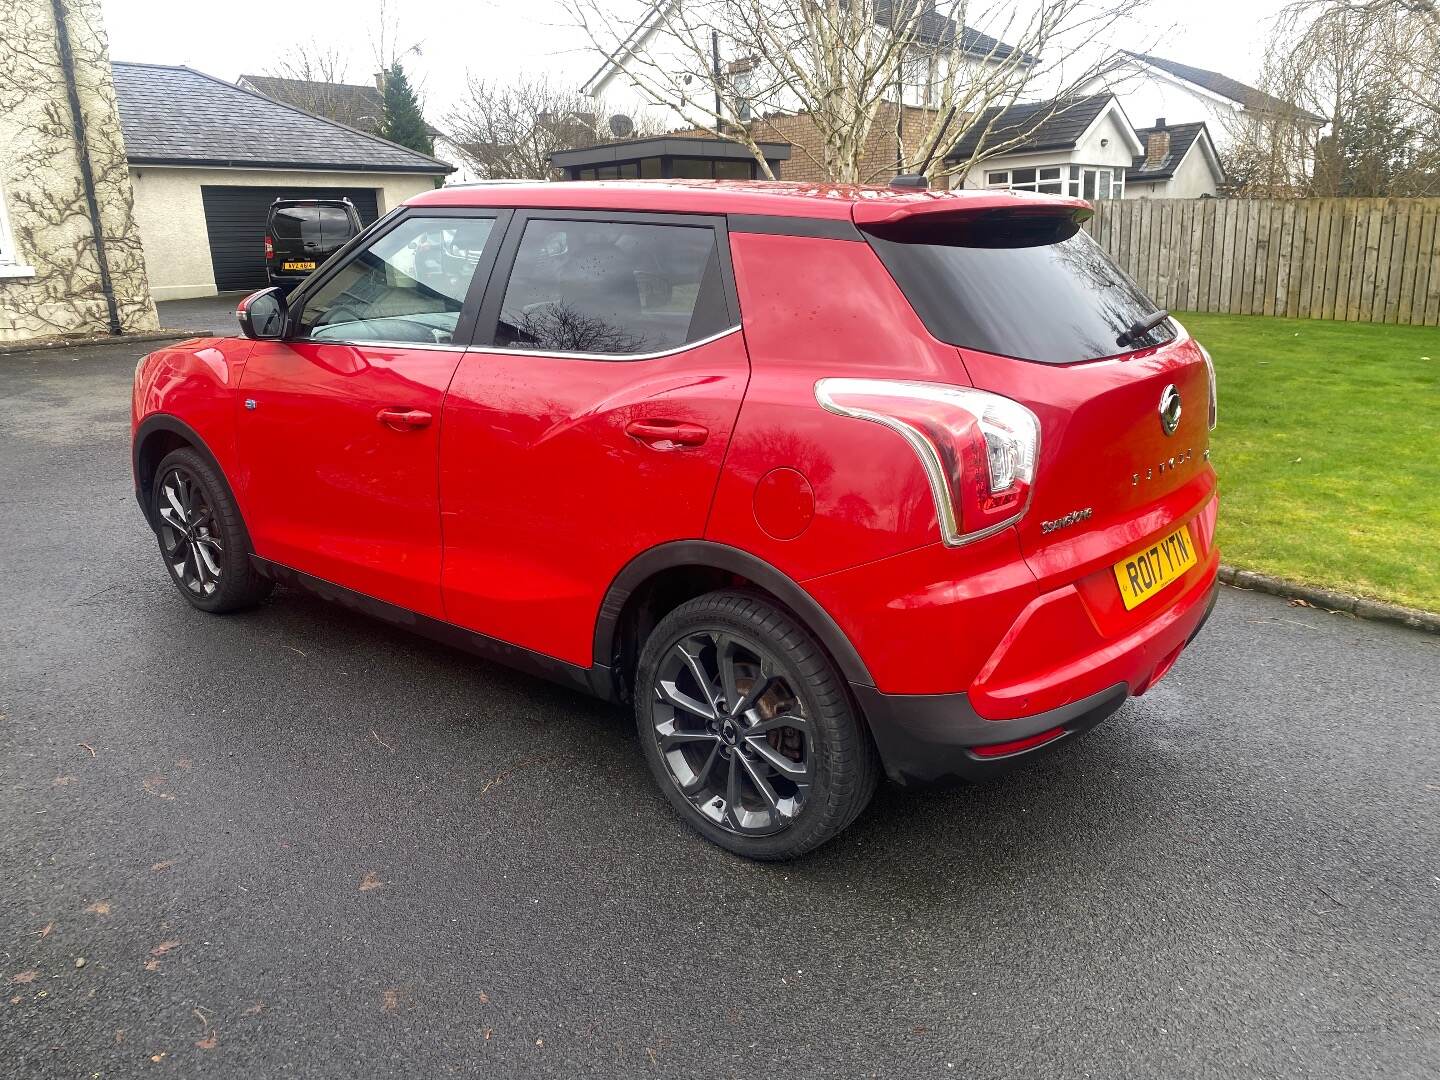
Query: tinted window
[
  {"x": 603, "y": 287},
  {"x": 335, "y": 225},
  {"x": 296, "y": 223},
  {"x": 406, "y": 286},
  {"x": 1037, "y": 289},
  {"x": 692, "y": 168}
]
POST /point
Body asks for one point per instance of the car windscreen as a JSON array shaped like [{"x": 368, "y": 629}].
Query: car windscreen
[{"x": 1032, "y": 287}]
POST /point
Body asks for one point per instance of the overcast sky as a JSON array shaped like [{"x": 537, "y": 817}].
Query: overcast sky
[{"x": 500, "y": 38}]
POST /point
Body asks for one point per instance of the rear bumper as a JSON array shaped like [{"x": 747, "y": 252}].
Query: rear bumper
[{"x": 937, "y": 738}]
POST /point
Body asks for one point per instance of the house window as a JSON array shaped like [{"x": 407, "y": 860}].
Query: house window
[
  {"x": 10, "y": 265},
  {"x": 1044, "y": 178},
  {"x": 1096, "y": 182}
]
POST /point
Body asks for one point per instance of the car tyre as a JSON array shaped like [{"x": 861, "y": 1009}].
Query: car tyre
[
  {"x": 201, "y": 535},
  {"x": 749, "y": 729}
]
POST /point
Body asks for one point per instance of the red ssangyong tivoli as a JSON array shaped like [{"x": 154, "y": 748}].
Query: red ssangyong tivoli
[{"x": 823, "y": 481}]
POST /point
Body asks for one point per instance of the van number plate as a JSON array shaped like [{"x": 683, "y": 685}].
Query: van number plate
[
  {"x": 297, "y": 266},
  {"x": 1145, "y": 573}
]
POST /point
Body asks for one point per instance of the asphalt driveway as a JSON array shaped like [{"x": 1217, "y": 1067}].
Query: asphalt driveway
[
  {"x": 297, "y": 843},
  {"x": 202, "y": 314}
]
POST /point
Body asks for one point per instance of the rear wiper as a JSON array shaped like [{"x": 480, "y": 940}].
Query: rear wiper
[{"x": 1140, "y": 327}]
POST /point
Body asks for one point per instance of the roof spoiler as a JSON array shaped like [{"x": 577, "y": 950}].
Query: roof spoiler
[{"x": 940, "y": 206}]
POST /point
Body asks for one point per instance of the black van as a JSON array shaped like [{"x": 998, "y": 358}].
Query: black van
[{"x": 300, "y": 234}]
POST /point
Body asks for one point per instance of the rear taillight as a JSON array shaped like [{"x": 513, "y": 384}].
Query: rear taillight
[
  {"x": 978, "y": 449},
  {"x": 269, "y": 248},
  {"x": 1210, "y": 371}
]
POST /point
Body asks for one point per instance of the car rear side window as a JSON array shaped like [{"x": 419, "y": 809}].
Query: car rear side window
[
  {"x": 1036, "y": 288},
  {"x": 612, "y": 288}
]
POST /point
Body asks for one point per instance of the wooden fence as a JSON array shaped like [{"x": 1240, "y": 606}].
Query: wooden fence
[{"x": 1357, "y": 260}]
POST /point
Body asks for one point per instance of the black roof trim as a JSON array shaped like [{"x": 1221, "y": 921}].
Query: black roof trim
[
  {"x": 780, "y": 225},
  {"x": 665, "y": 146}
]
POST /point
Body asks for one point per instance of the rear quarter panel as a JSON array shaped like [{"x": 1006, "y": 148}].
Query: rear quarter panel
[{"x": 812, "y": 308}]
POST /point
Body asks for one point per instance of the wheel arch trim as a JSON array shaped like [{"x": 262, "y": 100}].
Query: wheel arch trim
[
  {"x": 710, "y": 555},
  {"x": 166, "y": 422}
]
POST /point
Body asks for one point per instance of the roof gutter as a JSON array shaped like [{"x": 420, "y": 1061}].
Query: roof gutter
[
  {"x": 140, "y": 161},
  {"x": 87, "y": 174}
]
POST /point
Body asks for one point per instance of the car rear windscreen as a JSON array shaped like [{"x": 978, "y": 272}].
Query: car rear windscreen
[
  {"x": 335, "y": 225},
  {"x": 1036, "y": 288},
  {"x": 296, "y": 223}
]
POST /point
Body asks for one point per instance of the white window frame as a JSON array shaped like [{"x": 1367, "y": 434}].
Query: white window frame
[
  {"x": 1075, "y": 184},
  {"x": 1042, "y": 177},
  {"x": 10, "y": 264}
]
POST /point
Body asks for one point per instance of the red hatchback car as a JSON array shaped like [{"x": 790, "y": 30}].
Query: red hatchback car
[{"x": 822, "y": 481}]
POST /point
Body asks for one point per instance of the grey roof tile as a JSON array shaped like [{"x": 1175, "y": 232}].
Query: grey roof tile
[
  {"x": 1182, "y": 137},
  {"x": 1226, "y": 87},
  {"x": 176, "y": 115},
  {"x": 1059, "y": 130}
]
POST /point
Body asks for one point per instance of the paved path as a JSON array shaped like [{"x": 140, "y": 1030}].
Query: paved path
[
  {"x": 205, "y": 314},
  {"x": 297, "y": 843}
]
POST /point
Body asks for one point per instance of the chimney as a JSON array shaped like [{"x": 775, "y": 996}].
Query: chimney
[
  {"x": 380, "y": 81},
  {"x": 1157, "y": 144}
]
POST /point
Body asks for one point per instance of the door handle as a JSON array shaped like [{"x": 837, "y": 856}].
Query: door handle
[
  {"x": 667, "y": 434},
  {"x": 404, "y": 419}
]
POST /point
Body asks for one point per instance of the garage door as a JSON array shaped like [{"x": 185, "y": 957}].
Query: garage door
[{"x": 235, "y": 219}]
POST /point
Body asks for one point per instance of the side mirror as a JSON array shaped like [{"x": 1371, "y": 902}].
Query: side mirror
[{"x": 262, "y": 314}]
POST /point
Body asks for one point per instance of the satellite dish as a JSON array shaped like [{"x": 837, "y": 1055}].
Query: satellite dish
[{"x": 621, "y": 126}]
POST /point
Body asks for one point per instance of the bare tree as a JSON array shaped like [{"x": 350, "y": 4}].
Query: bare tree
[
  {"x": 387, "y": 46},
  {"x": 315, "y": 71},
  {"x": 842, "y": 64},
  {"x": 510, "y": 129},
  {"x": 1372, "y": 69}
]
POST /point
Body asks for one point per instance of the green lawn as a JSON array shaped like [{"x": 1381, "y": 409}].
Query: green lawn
[{"x": 1328, "y": 450}]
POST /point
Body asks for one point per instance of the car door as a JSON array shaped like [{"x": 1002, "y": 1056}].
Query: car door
[
  {"x": 339, "y": 422},
  {"x": 592, "y": 423}
]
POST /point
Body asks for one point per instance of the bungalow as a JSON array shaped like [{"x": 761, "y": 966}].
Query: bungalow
[{"x": 1085, "y": 147}]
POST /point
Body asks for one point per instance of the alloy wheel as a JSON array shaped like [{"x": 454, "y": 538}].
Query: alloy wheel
[
  {"x": 189, "y": 533},
  {"x": 733, "y": 733}
]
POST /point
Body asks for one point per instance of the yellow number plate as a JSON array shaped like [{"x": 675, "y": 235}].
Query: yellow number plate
[
  {"x": 1146, "y": 572},
  {"x": 297, "y": 266}
]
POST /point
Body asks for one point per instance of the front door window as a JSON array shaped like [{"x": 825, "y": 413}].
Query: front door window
[{"x": 407, "y": 287}]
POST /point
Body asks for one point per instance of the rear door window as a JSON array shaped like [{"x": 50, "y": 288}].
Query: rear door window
[
  {"x": 612, "y": 288},
  {"x": 1032, "y": 288},
  {"x": 335, "y": 226}
]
